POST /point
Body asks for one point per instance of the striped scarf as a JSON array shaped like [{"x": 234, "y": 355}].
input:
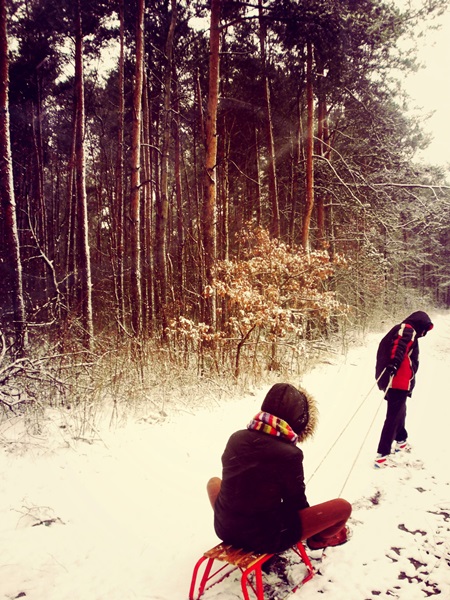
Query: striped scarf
[{"x": 272, "y": 425}]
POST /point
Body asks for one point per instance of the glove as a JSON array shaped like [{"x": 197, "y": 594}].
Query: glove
[{"x": 392, "y": 369}]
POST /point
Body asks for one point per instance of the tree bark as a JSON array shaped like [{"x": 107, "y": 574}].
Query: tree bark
[
  {"x": 147, "y": 213},
  {"x": 224, "y": 252},
  {"x": 71, "y": 267},
  {"x": 210, "y": 184},
  {"x": 37, "y": 214},
  {"x": 83, "y": 233},
  {"x": 309, "y": 200},
  {"x": 7, "y": 191},
  {"x": 119, "y": 208},
  {"x": 135, "y": 199},
  {"x": 258, "y": 179},
  {"x": 162, "y": 207},
  {"x": 321, "y": 151},
  {"x": 271, "y": 163},
  {"x": 181, "y": 275}
]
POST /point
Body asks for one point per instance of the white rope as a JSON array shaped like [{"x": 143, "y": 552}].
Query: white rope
[
  {"x": 346, "y": 426},
  {"x": 361, "y": 447},
  {"x": 368, "y": 431}
]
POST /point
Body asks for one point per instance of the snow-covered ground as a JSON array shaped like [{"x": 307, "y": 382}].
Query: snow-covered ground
[{"x": 127, "y": 517}]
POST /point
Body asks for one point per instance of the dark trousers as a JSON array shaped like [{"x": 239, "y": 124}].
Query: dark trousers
[{"x": 394, "y": 424}]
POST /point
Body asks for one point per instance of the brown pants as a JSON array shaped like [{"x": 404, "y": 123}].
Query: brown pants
[
  {"x": 321, "y": 521},
  {"x": 324, "y": 520}
]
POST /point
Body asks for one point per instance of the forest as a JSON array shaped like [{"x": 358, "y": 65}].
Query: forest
[{"x": 218, "y": 186}]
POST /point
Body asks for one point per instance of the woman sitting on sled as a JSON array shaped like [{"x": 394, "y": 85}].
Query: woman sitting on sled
[{"x": 260, "y": 503}]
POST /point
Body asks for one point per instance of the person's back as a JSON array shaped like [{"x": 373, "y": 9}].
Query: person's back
[
  {"x": 397, "y": 362},
  {"x": 260, "y": 502},
  {"x": 262, "y": 483}
]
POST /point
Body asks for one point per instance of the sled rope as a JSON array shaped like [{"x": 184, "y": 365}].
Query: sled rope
[
  {"x": 345, "y": 428},
  {"x": 368, "y": 431},
  {"x": 361, "y": 447}
]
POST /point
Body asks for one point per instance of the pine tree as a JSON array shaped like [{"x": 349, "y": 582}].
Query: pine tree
[{"x": 8, "y": 203}]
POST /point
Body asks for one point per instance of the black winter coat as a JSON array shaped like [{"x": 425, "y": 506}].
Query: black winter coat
[
  {"x": 400, "y": 347},
  {"x": 262, "y": 491}
]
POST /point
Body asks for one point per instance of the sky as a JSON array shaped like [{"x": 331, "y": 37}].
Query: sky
[{"x": 430, "y": 89}]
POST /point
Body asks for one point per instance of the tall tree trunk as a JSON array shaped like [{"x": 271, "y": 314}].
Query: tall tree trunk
[
  {"x": 181, "y": 277},
  {"x": 119, "y": 208},
  {"x": 321, "y": 151},
  {"x": 271, "y": 163},
  {"x": 210, "y": 184},
  {"x": 38, "y": 216},
  {"x": 8, "y": 201},
  {"x": 71, "y": 267},
  {"x": 297, "y": 158},
  {"x": 292, "y": 191},
  {"x": 195, "y": 237},
  {"x": 198, "y": 96},
  {"x": 144, "y": 209},
  {"x": 328, "y": 208},
  {"x": 309, "y": 200},
  {"x": 258, "y": 178},
  {"x": 135, "y": 200},
  {"x": 224, "y": 253},
  {"x": 162, "y": 207},
  {"x": 83, "y": 249},
  {"x": 147, "y": 213}
]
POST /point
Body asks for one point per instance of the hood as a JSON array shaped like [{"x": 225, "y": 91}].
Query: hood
[
  {"x": 420, "y": 321},
  {"x": 295, "y": 406}
]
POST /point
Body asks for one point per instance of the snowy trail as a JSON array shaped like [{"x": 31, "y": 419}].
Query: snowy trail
[{"x": 128, "y": 518}]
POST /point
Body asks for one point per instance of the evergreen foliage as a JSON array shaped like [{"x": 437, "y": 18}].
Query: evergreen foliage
[{"x": 378, "y": 234}]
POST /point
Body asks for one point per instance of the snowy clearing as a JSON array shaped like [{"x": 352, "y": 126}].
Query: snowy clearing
[{"x": 127, "y": 517}]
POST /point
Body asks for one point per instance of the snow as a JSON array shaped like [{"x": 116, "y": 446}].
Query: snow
[{"x": 127, "y": 517}]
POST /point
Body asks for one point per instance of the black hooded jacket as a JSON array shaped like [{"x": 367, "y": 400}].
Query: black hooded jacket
[
  {"x": 400, "y": 347},
  {"x": 262, "y": 479}
]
